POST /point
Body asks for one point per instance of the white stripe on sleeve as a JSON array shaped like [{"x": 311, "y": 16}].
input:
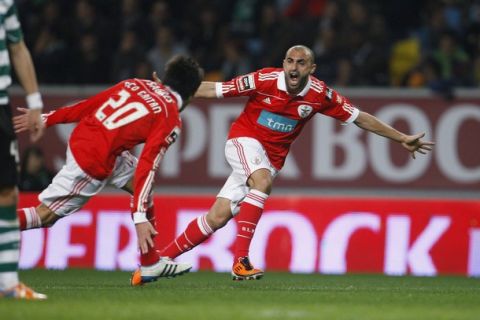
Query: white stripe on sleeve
[
  {"x": 218, "y": 89},
  {"x": 12, "y": 23},
  {"x": 354, "y": 116}
]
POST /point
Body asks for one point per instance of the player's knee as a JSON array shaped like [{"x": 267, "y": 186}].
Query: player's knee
[
  {"x": 262, "y": 183},
  {"x": 48, "y": 224},
  {"x": 48, "y": 221},
  {"x": 219, "y": 221},
  {"x": 219, "y": 214},
  {"x": 47, "y": 216}
]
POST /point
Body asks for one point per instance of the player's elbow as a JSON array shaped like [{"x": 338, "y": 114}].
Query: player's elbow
[
  {"x": 17, "y": 49},
  {"x": 363, "y": 119}
]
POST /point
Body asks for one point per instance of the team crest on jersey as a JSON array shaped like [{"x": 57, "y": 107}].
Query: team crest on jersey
[
  {"x": 172, "y": 137},
  {"x": 304, "y": 110},
  {"x": 256, "y": 160},
  {"x": 246, "y": 83}
]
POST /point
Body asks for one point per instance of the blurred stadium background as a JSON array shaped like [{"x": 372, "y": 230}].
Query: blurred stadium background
[{"x": 346, "y": 201}]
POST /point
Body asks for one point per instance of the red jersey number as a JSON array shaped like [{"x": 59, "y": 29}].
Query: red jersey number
[{"x": 115, "y": 113}]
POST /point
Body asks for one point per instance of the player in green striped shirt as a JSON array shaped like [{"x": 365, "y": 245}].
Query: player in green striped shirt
[{"x": 13, "y": 53}]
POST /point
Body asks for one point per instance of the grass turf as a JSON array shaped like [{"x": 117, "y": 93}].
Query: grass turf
[{"x": 88, "y": 294}]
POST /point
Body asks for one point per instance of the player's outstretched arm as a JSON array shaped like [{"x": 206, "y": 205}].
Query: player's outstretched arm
[
  {"x": 413, "y": 143},
  {"x": 25, "y": 70},
  {"x": 206, "y": 90}
]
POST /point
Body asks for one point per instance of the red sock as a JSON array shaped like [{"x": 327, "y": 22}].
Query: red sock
[
  {"x": 250, "y": 212},
  {"x": 28, "y": 218},
  {"x": 151, "y": 257},
  {"x": 196, "y": 232}
]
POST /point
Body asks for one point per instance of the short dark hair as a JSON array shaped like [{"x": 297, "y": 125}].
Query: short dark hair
[
  {"x": 306, "y": 49},
  {"x": 184, "y": 75}
]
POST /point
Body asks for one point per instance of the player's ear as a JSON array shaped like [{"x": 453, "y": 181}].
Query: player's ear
[{"x": 312, "y": 70}]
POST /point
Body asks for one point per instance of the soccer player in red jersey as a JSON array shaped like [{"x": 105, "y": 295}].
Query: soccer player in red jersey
[
  {"x": 280, "y": 102},
  {"x": 111, "y": 123}
]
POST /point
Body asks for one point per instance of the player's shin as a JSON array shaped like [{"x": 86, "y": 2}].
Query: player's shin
[
  {"x": 197, "y": 231},
  {"x": 250, "y": 213}
]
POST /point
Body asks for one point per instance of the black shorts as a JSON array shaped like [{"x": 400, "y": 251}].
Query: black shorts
[{"x": 9, "y": 159}]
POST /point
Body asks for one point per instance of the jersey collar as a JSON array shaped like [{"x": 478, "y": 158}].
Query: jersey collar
[
  {"x": 282, "y": 85},
  {"x": 178, "y": 97}
]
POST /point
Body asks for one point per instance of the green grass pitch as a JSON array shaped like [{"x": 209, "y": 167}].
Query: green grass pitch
[{"x": 90, "y": 295}]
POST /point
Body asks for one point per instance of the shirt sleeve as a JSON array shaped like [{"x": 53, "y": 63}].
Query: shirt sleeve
[
  {"x": 73, "y": 113},
  {"x": 155, "y": 147},
  {"x": 13, "y": 29},
  {"x": 79, "y": 110},
  {"x": 244, "y": 85},
  {"x": 338, "y": 106}
]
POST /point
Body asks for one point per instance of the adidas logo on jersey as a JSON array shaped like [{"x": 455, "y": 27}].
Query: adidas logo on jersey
[{"x": 267, "y": 100}]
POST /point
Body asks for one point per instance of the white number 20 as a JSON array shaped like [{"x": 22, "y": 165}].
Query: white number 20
[{"x": 117, "y": 118}]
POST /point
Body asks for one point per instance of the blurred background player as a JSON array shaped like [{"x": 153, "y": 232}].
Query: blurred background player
[
  {"x": 110, "y": 123},
  {"x": 280, "y": 102},
  {"x": 13, "y": 51},
  {"x": 34, "y": 175}
]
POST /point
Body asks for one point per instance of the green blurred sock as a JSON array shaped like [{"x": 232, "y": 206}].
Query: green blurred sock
[{"x": 9, "y": 247}]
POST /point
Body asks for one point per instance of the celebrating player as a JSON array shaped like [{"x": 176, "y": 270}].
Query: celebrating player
[
  {"x": 110, "y": 123},
  {"x": 280, "y": 103}
]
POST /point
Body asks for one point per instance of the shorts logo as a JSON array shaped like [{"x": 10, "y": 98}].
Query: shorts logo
[
  {"x": 256, "y": 160},
  {"x": 304, "y": 110},
  {"x": 246, "y": 83},
  {"x": 276, "y": 122}
]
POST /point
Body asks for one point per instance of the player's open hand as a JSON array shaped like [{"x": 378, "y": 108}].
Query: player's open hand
[
  {"x": 415, "y": 143},
  {"x": 35, "y": 124},
  {"x": 29, "y": 120},
  {"x": 20, "y": 122},
  {"x": 145, "y": 234}
]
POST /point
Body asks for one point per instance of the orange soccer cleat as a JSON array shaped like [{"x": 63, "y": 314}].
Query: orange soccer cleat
[
  {"x": 21, "y": 291},
  {"x": 243, "y": 270}
]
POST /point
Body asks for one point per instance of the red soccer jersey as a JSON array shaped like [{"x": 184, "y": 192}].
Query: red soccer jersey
[
  {"x": 276, "y": 118},
  {"x": 130, "y": 113}
]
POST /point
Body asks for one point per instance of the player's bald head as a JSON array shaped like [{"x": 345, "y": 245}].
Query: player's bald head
[{"x": 308, "y": 52}]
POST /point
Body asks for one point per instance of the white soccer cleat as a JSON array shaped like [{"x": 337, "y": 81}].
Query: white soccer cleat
[
  {"x": 22, "y": 292},
  {"x": 164, "y": 268}
]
